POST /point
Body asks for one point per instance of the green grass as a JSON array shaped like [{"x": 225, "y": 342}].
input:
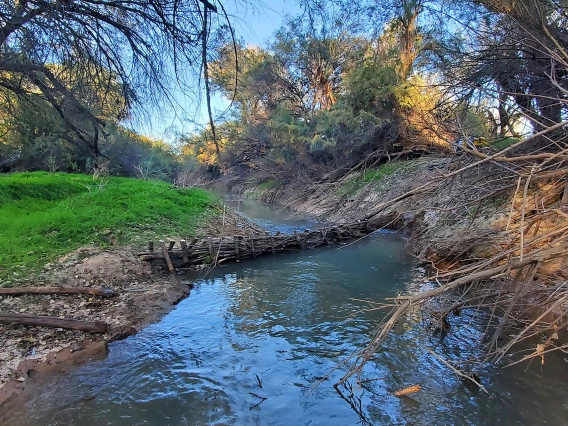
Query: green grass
[
  {"x": 43, "y": 215},
  {"x": 256, "y": 193},
  {"x": 374, "y": 175},
  {"x": 371, "y": 176},
  {"x": 267, "y": 185}
]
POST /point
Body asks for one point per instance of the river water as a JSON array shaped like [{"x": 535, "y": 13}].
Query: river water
[{"x": 273, "y": 328}]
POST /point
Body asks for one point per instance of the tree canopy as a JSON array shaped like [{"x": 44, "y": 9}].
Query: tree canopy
[
  {"x": 346, "y": 81},
  {"x": 84, "y": 57}
]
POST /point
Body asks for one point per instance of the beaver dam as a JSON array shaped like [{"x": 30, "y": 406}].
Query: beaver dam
[{"x": 213, "y": 251}]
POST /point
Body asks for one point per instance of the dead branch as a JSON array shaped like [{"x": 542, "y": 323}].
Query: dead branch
[
  {"x": 40, "y": 321},
  {"x": 18, "y": 291}
]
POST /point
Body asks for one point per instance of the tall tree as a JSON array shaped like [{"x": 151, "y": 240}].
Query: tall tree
[{"x": 144, "y": 47}]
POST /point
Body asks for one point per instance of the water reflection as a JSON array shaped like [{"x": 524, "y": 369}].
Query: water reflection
[{"x": 274, "y": 328}]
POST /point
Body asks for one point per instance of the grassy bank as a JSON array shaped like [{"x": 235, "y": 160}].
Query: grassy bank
[{"x": 43, "y": 216}]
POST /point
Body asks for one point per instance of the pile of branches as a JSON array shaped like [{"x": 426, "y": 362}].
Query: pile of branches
[{"x": 519, "y": 285}]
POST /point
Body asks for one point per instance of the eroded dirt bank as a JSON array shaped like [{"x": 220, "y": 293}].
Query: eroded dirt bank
[
  {"x": 142, "y": 297},
  {"x": 144, "y": 293},
  {"x": 457, "y": 219}
]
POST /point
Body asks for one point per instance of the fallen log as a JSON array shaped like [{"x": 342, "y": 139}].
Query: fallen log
[
  {"x": 40, "y": 321},
  {"x": 18, "y": 291}
]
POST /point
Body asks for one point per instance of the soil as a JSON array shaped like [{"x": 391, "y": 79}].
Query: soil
[{"x": 144, "y": 293}]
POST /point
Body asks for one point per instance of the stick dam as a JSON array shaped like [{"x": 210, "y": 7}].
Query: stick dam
[{"x": 216, "y": 250}]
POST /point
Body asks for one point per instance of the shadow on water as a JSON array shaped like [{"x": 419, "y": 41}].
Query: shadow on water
[{"x": 272, "y": 329}]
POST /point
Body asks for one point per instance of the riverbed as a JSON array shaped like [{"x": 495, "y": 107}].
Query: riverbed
[{"x": 262, "y": 342}]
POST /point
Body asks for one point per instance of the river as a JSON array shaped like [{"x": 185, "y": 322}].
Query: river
[{"x": 252, "y": 341}]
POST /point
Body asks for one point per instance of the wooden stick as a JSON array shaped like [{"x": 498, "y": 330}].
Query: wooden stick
[
  {"x": 324, "y": 236},
  {"x": 459, "y": 373},
  {"x": 151, "y": 246},
  {"x": 171, "y": 246},
  {"x": 167, "y": 256},
  {"x": 17, "y": 291},
  {"x": 40, "y": 321},
  {"x": 237, "y": 259},
  {"x": 299, "y": 239},
  {"x": 183, "y": 244},
  {"x": 564, "y": 201}
]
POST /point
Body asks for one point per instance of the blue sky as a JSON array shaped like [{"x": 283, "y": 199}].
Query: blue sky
[{"x": 255, "y": 24}]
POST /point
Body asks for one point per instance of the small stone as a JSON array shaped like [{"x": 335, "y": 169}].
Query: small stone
[{"x": 21, "y": 379}]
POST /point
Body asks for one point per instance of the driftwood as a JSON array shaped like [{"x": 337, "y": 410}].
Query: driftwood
[
  {"x": 18, "y": 291},
  {"x": 40, "y": 321}
]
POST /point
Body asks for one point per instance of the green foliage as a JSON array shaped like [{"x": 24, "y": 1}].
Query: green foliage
[
  {"x": 375, "y": 175},
  {"x": 474, "y": 124},
  {"x": 137, "y": 156},
  {"x": 372, "y": 177},
  {"x": 370, "y": 86},
  {"x": 43, "y": 216},
  {"x": 267, "y": 185},
  {"x": 289, "y": 136},
  {"x": 254, "y": 79},
  {"x": 32, "y": 127},
  {"x": 256, "y": 193}
]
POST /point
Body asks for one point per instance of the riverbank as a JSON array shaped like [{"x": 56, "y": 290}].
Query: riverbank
[
  {"x": 494, "y": 242},
  {"x": 277, "y": 326},
  {"x": 355, "y": 195},
  {"x": 76, "y": 231}
]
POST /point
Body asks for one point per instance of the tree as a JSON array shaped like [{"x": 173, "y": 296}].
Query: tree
[
  {"x": 315, "y": 59},
  {"x": 142, "y": 47},
  {"x": 513, "y": 53}
]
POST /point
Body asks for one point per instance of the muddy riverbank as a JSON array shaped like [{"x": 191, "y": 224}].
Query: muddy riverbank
[{"x": 145, "y": 292}]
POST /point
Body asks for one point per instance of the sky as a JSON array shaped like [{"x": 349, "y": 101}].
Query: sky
[{"x": 252, "y": 24}]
